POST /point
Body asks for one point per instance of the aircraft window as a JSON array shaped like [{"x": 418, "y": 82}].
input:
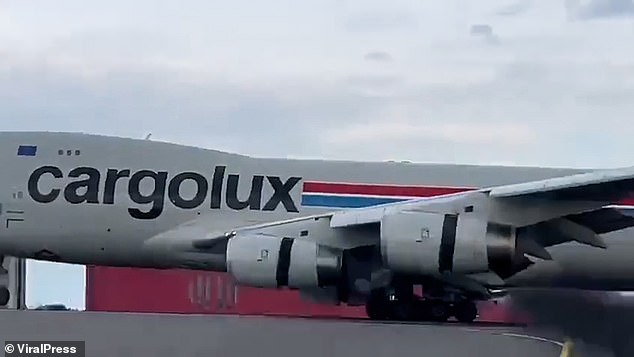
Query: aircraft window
[
  {"x": 303, "y": 233},
  {"x": 68, "y": 152},
  {"x": 20, "y": 194}
]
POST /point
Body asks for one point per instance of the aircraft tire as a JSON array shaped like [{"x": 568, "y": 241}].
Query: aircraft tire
[
  {"x": 466, "y": 312},
  {"x": 378, "y": 307},
  {"x": 5, "y": 296},
  {"x": 403, "y": 311},
  {"x": 439, "y": 311}
]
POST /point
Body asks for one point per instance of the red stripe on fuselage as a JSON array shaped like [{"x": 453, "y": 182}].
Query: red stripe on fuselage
[
  {"x": 379, "y": 190},
  {"x": 393, "y": 190}
]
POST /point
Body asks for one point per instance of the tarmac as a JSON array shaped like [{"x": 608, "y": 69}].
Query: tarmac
[{"x": 133, "y": 334}]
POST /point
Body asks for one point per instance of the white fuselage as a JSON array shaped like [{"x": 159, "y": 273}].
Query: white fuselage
[{"x": 127, "y": 191}]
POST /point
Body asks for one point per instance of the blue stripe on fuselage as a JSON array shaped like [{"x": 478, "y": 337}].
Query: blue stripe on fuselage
[
  {"x": 341, "y": 201},
  {"x": 345, "y": 201}
]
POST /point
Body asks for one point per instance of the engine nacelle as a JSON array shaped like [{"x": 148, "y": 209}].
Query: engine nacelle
[
  {"x": 267, "y": 261},
  {"x": 422, "y": 243}
]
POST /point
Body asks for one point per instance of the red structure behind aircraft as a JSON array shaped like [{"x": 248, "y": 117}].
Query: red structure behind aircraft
[{"x": 196, "y": 292}]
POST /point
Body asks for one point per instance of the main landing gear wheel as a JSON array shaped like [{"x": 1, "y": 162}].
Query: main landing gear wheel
[
  {"x": 403, "y": 311},
  {"x": 5, "y": 296},
  {"x": 378, "y": 307},
  {"x": 466, "y": 311},
  {"x": 439, "y": 311},
  {"x": 383, "y": 306}
]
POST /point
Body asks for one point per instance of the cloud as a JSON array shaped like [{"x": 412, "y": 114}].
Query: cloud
[
  {"x": 481, "y": 30},
  {"x": 514, "y": 9},
  {"x": 49, "y": 283},
  {"x": 378, "y": 56},
  {"x": 373, "y": 16},
  {"x": 457, "y": 133},
  {"x": 486, "y": 32},
  {"x": 379, "y": 22},
  {"x": 596, "y": 9},
  {"x": 309, "y": 88}
]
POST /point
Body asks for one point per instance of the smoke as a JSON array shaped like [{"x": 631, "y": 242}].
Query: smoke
[{"x": 600, "y": 319}]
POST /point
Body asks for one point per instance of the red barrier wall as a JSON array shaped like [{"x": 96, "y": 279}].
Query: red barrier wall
[{"x": 185, "y": 291}]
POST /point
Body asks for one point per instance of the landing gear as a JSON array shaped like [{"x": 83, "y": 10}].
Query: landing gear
[
  {"x": 378, "y": 305},
  {"x": 382, "y": 305},
  {"x": 466, "y": 311},
  {"x": 438, "y": 311},
  {"x": 5, "y": 296}
]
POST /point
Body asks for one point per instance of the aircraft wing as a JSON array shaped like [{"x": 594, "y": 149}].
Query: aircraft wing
[
  {"x": 603, "y": 220},
  {"x": 577, "y": 203},
  {"x": 581, "y": 196},
  {"x": 600, "y": 185},
  {"x": 549, "y": 212},
  {"x": 576, "y": 208}
]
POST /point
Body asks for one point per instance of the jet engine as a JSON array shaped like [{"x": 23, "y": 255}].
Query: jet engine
[
  {"x": 267, "y": 261},
  {"x": 424, "y": 243}
]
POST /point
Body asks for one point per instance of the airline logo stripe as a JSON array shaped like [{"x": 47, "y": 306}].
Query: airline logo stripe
[
  {"x": 344, "y": 201},
  {"x": 378, "y": 190},
  {"x": 355, "y": 195}
]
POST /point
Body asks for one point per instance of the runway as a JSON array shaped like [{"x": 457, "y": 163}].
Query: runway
[{"x": 116, "y": 334}]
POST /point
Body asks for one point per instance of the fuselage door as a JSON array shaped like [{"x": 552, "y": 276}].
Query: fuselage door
[{"x": 11, "y": 209}]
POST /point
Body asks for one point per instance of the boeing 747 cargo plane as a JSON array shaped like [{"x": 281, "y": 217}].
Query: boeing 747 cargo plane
[{"x": 361, "y": 233}]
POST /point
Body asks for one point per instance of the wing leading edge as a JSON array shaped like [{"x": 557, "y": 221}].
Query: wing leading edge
[
  {"x": 564, "y": 209},
  {"x": 575, "y": 207},
  {"x": 547, "y": 199}
]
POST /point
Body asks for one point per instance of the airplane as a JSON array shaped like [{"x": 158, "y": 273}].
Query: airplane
[{"x": 340, "y": 232}]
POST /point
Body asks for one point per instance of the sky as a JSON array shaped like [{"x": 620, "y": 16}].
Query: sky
[{"x": 514, "y": 82}]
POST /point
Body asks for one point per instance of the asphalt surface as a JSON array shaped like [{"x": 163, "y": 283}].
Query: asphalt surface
[{"x": 116, "y": 334}]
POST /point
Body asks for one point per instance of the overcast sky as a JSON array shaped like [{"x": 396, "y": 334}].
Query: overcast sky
[{"x": 547, "y": 82}]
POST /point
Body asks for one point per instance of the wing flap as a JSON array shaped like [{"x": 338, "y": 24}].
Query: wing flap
[
  {"x": 603, "y": 220},
  {"x": 584, "y": 228}
]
